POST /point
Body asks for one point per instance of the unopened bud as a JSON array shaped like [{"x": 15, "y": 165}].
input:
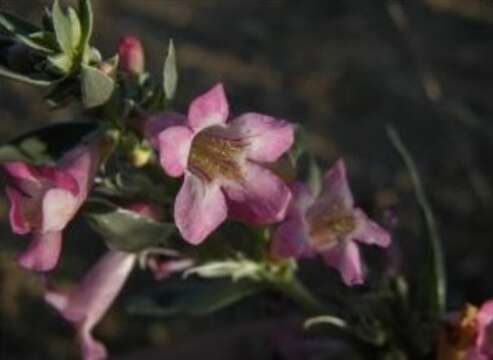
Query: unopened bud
[
  {"x": 140, "y": 155},
  {"x": 131, "y": 55}
]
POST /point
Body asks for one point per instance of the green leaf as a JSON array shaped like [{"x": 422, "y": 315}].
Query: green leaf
[
  {"x": 60, "y": 63},
  {"x": 314, "y": 180},
  {"x": 75, "y": 26},
  {"x": 124, "y": 229},
  {"x": 433, "y": 265},
  {"x": 325, "y": 320},
  {"x": 97, "y": 87},
  {"x": 47, "y": 144},
  {"x": 23, "y": 31},
  {"x": 62, "y": 92},
  {"x": 63, "y": 28},
  {"x": 298, "y": 148},
  {"x": 193, "y": 298},
  {"x": 170, "y": 74},
  {"x": 27, "y": 79},
  {"x": 86, "y": 21},
  {"x": 45, "y": 39},
  {"x": 234, "y": 268}
]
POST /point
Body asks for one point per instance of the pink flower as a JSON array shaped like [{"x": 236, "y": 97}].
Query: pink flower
[
  {"x": 483, "y": 345},
  {"x": 329, "y": 225},
  {"x": 467, "y": 335},
  {"x": 131, "y": 55},
  {"x": 223, "y": 164},
  {"x": 44, "y": 199},
  {"x": 86, "y": 304}
]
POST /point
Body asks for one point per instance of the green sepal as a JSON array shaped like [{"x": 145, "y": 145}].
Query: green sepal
[{"x": 126, "y": 230}]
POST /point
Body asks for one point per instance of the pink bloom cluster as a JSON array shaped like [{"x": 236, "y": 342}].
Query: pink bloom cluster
[{"x": 225, "y": 164}]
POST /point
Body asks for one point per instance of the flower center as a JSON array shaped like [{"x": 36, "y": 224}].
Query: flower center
[
  {"x": 212, "y": 156},
  {"x": 328, "y": 228}
]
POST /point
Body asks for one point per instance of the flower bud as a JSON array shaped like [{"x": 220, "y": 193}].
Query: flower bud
[
  {"x": 140, "y": 155},
  {"x": 131, "y": 55}
]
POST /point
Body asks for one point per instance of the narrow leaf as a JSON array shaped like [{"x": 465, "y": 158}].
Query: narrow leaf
[
  {"x": 170, "y": 73},
  {"x": 325, "y": 319},
  {"x": 63, "y": 28},
  {"x": 124, "y": 229},
  {"x": 193, "y": 298},
  {"x": 236, "y": 269},
  {"x": 47, "y": 144},
  {"x": 435, "y": 266},
  {"x": 22, "y": 31},
  {"x": 314, "y": 176},
  {"x": 97, "y": 87},
  {"x": 86, "y": 21},
  {"x": 27, "y": 79},
  {"x": 60, "y": 63},
  {"x": 75, "y": 27}
]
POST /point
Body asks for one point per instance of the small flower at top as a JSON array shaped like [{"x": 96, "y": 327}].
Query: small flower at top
[
  {"x": 131, "y": 55},
  {"x": 224, "y": 164},
  {"x": 44, "y": 199},
  {"x": 467, "y": 335},
  {"x": 330, "y": 225}
]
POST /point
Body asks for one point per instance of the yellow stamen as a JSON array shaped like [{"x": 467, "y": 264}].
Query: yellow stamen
[{"x": 328, "y": 228}]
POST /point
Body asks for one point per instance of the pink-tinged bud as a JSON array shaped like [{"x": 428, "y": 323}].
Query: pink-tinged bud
[
  {"x": 163, "y": 267},
  {"x": 131, "y": 55},
  {"x": 87, "y": 303},
  {"x": 146, "y": 209}
]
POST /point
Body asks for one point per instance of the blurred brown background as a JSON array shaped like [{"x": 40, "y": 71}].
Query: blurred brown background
[{"x": 344, "y": 69}]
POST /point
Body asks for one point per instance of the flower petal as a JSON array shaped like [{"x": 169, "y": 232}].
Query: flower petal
[
  {"x": 155, "y": 124},
  {"x": 260, "y": 198},
  {"x": 209, "y": 109},
  {"x": 59, "y": 178},
  {"x": 268, "y": 138},
  {"x": 82, "y": 164},
  {"x": 59, "y": 206},
  {"x": 91, "y": 348},
  {"x": 87, "y": 303},
  {"x": 174, "y": 146},
  {"x": 43, "y": 252},
  {"x": 200, "y": 208},
  {"x": 23, "y": 176},
  {"x": 336, "y": 187},
  {"x": 368, "y": 231},
  {"x": 345, "y": 257},
  {"x": 484, "y": 326},
  {"x": 290, "y": 240},
  {"x": 18, "y": 222}
]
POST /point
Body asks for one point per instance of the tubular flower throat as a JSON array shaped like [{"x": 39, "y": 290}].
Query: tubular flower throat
[{"x": 213, "y": 157}]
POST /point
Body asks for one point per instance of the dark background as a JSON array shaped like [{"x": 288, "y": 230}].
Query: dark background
[{"x": 344, "y": 69}]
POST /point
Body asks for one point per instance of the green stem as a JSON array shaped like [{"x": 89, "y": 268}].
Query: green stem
[{"x": 295, "y": 290}]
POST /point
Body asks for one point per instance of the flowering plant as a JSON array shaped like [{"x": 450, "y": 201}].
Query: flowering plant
[{"x": 232, "y": 204}]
